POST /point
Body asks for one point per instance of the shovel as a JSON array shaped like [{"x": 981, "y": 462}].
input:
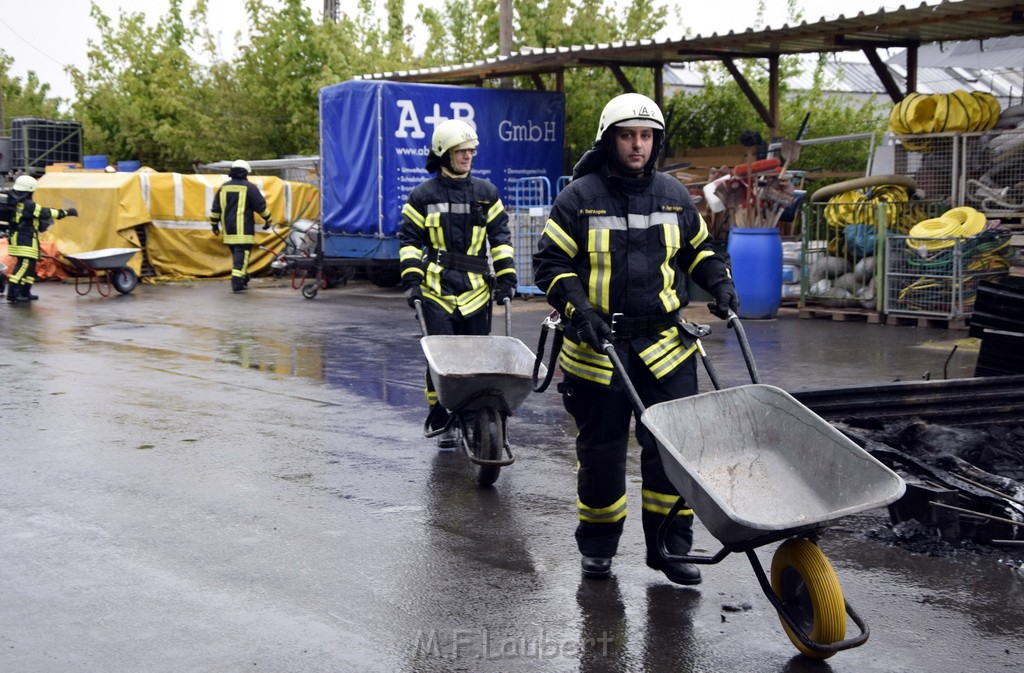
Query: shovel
[{"x": 790, "y": 152}]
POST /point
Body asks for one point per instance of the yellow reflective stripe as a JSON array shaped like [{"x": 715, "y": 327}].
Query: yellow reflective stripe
[
  {"x": 599, "y": 280},
  {"x": 242, "y": 192},
  {"x": 661, "y": 503},
  {"x": 668, "y": 297},
  {"x": 668, "y": 353},
  {"x": 610, "y": 514},
  {"x": 431, "y": 396},
  {"x": 495, "y": 210},
  {"x": 702, "y": 233},
  {"x": 560, "y": 238},
  {"x": 408, "y": 252},
  {"x": 413, "y": 215},
  {"x": 585, "y": 363},
  {"x": 668, "y": 364},
  {"x": 412, "y": 270},
  {"x": 558, "y": 278},
  {"x": 432, "y": 222},
  {"x": 501, "y": 252},
  {"x": 476, "y": 245},
  {"x": 444, "y": 301},
  {"x": 700, "y": 256},
  {"x": 504, "y": 272},
  {"x": 474, "y": 300}
]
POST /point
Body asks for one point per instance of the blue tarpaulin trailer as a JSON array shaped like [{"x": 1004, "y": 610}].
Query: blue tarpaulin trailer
[{"x": 374, "y": 140}]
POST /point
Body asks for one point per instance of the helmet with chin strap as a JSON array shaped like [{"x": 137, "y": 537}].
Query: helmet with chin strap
[
  {"x": 25, "y": 183},
  {"x": 453, "y": 134},
  {"x": 630, "y": 109}
]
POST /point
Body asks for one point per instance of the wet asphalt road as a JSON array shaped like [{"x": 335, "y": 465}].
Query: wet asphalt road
[{"x": 200, "y": 481}]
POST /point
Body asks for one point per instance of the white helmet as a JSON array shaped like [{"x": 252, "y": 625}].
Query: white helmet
[
  {"x": 243, "y": 164},
  {"x": 630, "y": 109},
  {"x": 25, "y": 183},
  {"x": 452, "y": 134}
]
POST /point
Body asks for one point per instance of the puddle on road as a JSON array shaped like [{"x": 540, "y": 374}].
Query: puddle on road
[{"x": 350, "y": 358}]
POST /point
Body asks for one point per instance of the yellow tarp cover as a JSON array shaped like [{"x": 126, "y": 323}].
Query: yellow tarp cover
[
  {"x": 175, "y": 209},
  {"x": 109, "y": 207}
]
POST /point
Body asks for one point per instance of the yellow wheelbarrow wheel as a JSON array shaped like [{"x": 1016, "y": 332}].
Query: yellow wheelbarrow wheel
[{"x": 803, "y": 579}]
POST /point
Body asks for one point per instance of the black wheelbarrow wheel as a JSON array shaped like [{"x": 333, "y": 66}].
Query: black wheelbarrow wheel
[
  {"x": 488, "y": 440},
  {"x": 124, "y": 279},
  {"x": 805, "y": 582},
  {"x": 310, "y": 290}
]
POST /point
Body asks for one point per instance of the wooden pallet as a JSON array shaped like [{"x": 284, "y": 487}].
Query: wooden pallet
[
  {"x": 926, "y": 321},
  {"x": 841, "y": 314}
]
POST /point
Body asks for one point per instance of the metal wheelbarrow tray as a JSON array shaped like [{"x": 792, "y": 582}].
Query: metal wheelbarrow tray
[
  {"x": 757, "y": 466},
  {"x": 463, "y": 367},
  {"x": 108, "y": 264}
]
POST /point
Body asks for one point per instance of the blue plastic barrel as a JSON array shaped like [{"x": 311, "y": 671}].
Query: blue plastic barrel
[
  {"x": 128, "y": 166},
  {"x": 95, "y": 161},
  {"x": 757, "y": 270}
]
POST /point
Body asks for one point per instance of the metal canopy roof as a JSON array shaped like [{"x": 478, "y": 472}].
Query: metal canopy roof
[{"x": 946, "y": 21}]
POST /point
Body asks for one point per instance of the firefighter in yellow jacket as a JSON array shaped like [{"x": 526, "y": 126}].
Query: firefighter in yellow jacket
[
  {"x": 233, "y": 206},
  {"x": 28, "y": 220},
  {"x": 613, "y": 259},
  {"x": 449, "y": 224}
]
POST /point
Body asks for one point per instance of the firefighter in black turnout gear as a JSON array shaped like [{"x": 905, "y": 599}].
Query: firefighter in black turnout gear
[
  {"x": 449, "y": 222},
  {"x": 233, "y": 205},
  {"x": 28, "y": 219},
  {"x": 613, "y": 260}
]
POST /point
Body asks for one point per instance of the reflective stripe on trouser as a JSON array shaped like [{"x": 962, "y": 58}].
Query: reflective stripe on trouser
[
  {"x": 603, "y": 415},
  {"x": 439, "y": 321},
  {"x": 240, "y": 260},
  {"x": 24, "y": 272}
]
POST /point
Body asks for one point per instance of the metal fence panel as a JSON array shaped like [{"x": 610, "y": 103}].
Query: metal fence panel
[
  {"x": 993, "y": 172},
  {"x": 938, "y": 277},
  {"x": 843, "y": 249},
  {"x": 530, "y": 205}
]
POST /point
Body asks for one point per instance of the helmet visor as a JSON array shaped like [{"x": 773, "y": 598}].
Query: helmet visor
[{"x": 646, "y": 123}]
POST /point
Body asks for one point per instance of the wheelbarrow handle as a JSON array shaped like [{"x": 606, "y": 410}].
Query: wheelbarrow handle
[
  {"x": 418, "y": 306},
  {"x": 733, "y": 321},
  {"x": 634, "y": 396},
  {"x": 508, "y": 316}
]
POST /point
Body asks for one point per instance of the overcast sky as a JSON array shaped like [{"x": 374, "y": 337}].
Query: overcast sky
[{"x": 46, "y": 35}]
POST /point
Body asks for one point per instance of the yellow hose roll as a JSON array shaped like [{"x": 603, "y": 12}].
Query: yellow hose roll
[
  {"x": 987, "y": 100},
  {"x": 841, "y": 208},
  {"x": 964, "y": 112},
  {"x": 972, "y": 222},
  {"x": 918, "y": 113},
  {"x": 923, "y": 234}
]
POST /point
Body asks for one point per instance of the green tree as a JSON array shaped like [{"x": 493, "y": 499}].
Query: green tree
[
  {"x": 144, "y": 96},
  {"x": 26, "y": 98}
]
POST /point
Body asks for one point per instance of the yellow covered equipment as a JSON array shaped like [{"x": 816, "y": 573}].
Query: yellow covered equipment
[
  {"x": 173, "y": 212},
  {"x": 960, "y": 111}
]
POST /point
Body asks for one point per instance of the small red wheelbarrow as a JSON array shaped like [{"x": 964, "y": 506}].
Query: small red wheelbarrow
[{"x": 106, "y": 269}]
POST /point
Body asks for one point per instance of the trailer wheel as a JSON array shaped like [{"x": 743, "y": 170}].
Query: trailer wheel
[
  {"x": 488, "y": 440},
  {"x": 384, "y": 275},
  {"x": 310, "y": 290},
  {"x": 805, "y": 582},
  {"x": 124, "y": 279}
]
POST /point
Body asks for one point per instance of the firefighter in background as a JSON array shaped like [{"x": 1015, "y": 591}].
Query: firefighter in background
[
  {"x": 28, "y": 220},
  {"x": 233, "y": 206},
  {"x": 449, "y": 222},
  {"x": 613, "y": 260}
]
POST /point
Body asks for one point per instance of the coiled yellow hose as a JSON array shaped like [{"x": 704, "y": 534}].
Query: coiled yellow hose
[{"x": 938, "y": 233}]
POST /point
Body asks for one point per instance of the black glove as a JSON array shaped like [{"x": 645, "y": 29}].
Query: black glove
[
  {"x": 503, "y": 292},
  {"x": 266, "y": 225},
  {"x": 216, "y": 229},
  {"x": 71, "y": 212},
  {"x": 413, "y": 294},
  {"x": 726, "y": 300},
  {"x": 591, "y": 328}
]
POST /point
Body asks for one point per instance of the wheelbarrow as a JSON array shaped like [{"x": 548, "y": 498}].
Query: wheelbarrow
[
  {"x": 105, "y": 268},
  {"x": 480, "y": 381},
  {"x": 758, "y": 467}
]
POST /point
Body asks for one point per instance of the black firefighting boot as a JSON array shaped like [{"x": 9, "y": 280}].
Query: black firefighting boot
[
  {"x": 678, "y": 541},
  {"x": 3, "y": 283},
  {"x": 15, "y": 294},
  {"x": 596, "y": 567},
  {"x": 237, "y": 284},
  {"x": 26, "y": 293}
]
